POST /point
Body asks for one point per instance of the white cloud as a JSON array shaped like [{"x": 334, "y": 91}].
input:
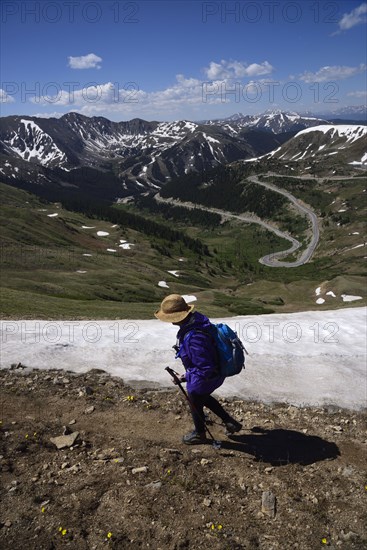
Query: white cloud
[
  {"x": 353, "y": 18},
  {"x": 5, "y": 98},
  {"x": 236, "y": 69},
  {"x": 90, "y": 61},
  {"x": 362, "y": 94},
  {"x": 101, "y": 93},
  {"x": 48, "y": 115},
  {"x": 257, "y": 70},
  {"x": 184, "y": 91},
  {"x": 331, "y": 73}
]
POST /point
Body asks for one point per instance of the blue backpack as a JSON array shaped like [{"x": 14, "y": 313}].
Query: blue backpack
[{"x": 231, "y": 351}]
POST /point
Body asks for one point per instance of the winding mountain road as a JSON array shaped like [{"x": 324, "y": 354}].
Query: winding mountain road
[{"x": 274, "y": 259}]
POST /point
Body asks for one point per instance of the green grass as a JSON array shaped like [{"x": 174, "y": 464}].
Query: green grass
[{"x": 42, "y": 257}]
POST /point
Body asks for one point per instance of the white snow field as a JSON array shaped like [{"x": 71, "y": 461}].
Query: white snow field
[{"x": 313, "y": 358}]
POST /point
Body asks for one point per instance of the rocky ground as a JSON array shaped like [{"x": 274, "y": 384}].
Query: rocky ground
[{"x": 90, "y": 463}]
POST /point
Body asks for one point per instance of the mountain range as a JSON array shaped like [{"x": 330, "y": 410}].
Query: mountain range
[
  {"x": 342, "y": 143},
  {"x": 79, "y": 152}
]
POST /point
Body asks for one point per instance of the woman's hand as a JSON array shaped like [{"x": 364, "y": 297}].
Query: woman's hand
[{"x": 180, "y": 378}]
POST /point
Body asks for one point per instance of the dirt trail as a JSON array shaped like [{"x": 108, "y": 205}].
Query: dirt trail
[{"x": 127, "y": 481}]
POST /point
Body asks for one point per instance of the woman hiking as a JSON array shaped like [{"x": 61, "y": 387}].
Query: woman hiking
[{"x": 198, "y": 354}]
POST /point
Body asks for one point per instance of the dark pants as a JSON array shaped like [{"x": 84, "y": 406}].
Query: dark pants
[{"x": 198, "y": 402}]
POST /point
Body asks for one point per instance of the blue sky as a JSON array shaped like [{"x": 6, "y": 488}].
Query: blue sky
[{"x": 181, "y": 60}]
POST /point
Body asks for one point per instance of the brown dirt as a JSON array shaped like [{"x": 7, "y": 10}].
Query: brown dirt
[{"x": 89, "y": 496}]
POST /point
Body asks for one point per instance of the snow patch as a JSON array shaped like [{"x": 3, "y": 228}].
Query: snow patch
[
  {"x": 351, "y": 132},
  {"x": 189, "y": 298},
  {"x": 163, "y": 284},
  {"x": 175, "y": 273},
  {"x": 279, "y": 369},
  {"x": 350, "y": 298}
]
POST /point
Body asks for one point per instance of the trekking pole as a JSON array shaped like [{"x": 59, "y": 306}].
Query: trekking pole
[{"x": 216, "y": 444}]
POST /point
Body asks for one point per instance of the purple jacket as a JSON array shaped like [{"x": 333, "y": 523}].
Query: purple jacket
[{"x": 198, "y": 355}]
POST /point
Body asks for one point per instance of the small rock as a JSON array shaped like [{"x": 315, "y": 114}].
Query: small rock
[
  {"x": 207, "y": 502},
  {"x": 14, "y": 366},
  {"x": 205, "y": 461},
  {"x": 174, "y": 452},
  {"x": 268, "y": 503},
  {"x": 140, "y": 470},
  {"x": 64, "y": 441},
  {"x": 269, "y": 469},
  {"x": 8, "y": 523},
  {"x": 90, "y": 409},
  {"x": 348, "y": 536},
  {"x": 348, "y": 471},
  {"x": 65, "y": 465},
  {"x": 73, "y": 421},
  {"x": 65, "y": 381},
  {"x": 155, "y": 485},
  {"x": 107, "y": 454}
]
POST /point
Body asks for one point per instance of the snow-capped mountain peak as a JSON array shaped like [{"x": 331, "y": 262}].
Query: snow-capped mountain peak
[{"x": 345, "y": 142}]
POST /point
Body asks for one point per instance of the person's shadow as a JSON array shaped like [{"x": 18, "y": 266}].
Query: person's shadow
[{"x": 278, "y": 446}]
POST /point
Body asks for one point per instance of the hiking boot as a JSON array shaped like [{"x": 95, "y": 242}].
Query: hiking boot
[
  {"x": 194, "y": 438},
  {"x": 232, "y": 427}
]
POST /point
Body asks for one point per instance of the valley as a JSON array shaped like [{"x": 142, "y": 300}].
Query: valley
[{"x": 82, "y": 244}]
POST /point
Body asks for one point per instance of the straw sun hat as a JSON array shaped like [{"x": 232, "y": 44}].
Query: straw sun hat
[{"x": 173, "y": 309}]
